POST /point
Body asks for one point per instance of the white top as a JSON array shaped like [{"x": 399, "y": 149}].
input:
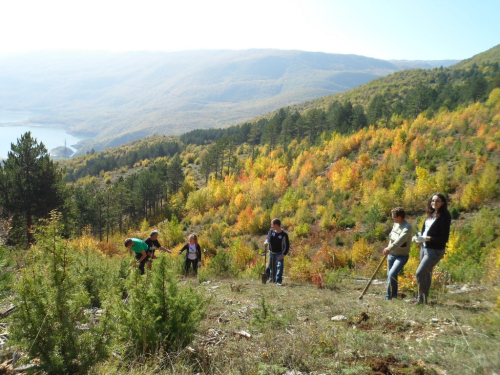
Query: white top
[
  {"x": 428, "y": 223},
  {"x": 192, "y": 252}
]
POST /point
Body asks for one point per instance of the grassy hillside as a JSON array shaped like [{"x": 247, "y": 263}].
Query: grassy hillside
[{"x": 296, "y": 333}]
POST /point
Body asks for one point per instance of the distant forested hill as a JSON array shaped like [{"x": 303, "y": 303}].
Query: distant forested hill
[
  {"x": 423, "y": 64},
  {"x": 422, "y": 89},
  {"x": 118, "y": 97},
  {"x": 492, "y": 56}
]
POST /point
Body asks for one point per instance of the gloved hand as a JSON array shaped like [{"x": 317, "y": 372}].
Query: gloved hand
[{"x": 420, "y": 239}]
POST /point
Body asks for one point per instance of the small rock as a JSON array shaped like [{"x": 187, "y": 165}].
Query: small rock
[
  {"x": 339, "y": 318},
  {"x": 244, "y": 334},
  {"x": 435, "y": 320}
]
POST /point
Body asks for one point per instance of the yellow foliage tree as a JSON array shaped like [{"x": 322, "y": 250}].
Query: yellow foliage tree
[
  {"x": 488, "y": 182},
  {"x": 425, "y": 184},
  {"x": 242, "y": 254},
  {"x": 442, "y": 179},
  {"x": 453, "y": 245},
  {"x": 300, "y": 268},
  {"x": 471, "y": 196},
  {"x": 240, "y": 201},
  {"x": 361, "y": 252}
]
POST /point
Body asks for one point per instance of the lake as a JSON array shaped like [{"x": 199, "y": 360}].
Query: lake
[{"x": 51, "y": 137}]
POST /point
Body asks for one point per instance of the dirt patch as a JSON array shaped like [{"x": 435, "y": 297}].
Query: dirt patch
[
  {"x": 395, "y": 326},
  {"x": 360, "y": 322},
  {"x": 390, "y": 365}
]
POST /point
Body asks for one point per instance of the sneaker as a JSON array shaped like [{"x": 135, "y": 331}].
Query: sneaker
[{"x": 278, "y": 284}]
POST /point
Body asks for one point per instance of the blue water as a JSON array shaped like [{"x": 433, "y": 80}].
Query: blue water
[{"x": 51, "y": 137}]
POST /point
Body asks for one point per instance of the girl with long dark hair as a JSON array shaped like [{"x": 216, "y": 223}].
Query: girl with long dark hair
[{"x": 433, "y": 237}]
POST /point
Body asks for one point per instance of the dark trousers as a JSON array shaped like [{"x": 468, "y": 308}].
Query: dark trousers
[
  {"x": 188, "y": 264},
  {"x": 143, "y": 263}
]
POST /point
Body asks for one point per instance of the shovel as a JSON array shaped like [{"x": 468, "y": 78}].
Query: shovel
[{"x": 265, "y": 276}]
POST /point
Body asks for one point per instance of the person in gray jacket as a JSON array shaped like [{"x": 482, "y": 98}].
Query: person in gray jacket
[{"x": 398, "y": 250}]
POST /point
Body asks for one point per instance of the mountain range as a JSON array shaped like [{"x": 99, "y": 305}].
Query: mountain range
[{"x": 118, "y": 97}]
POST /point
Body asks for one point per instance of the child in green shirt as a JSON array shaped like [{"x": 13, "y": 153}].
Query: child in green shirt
[{"x": 140, "y": 249}]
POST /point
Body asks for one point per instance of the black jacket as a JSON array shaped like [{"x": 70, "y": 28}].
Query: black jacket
[
  {"x": 198, "y": 251},
  {"x": 439, "y": 232},
  {"x": 278, "y": 242}
]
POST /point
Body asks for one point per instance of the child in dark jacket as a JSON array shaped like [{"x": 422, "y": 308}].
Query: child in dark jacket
[{"x": 193, "y": 254}]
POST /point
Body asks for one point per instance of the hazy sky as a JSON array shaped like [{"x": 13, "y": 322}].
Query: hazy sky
[{"x": 387, "y": 29}]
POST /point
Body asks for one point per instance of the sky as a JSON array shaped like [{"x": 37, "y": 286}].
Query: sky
[{"x": 385, "y": 29}]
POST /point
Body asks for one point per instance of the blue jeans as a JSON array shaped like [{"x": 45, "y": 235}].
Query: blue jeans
[
  {"x": 428, "y": 260},
  {"x": 275, "y": 267},
  {"x": 395, "y": 264}
]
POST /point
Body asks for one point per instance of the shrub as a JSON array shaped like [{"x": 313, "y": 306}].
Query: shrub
[
  {"x": 378, "y": 233},
  {"x": 300, "y": 268},
  {"x": 328, "y": 219},
  {"x": 242, "y": 254},
  {"x": 361, "y": 252},
  {"x": 199, "y": 200},
  {"x": 303, "y": 215},
  {"x": 290, "y": 201},
  {"x": 160, "y": 315},
  {"x": 172, "y": 232},
  {"x": 215, "y": 235},
  {"x": 374, "y": 216},
  {"x": 51, "y": 308},
  {"x": 221, "y": 264},
  {"x": 346, "y": 223},
  {"x": 338, "y": 240},
  {"x": 260, "y": 224},
  {"x": 94, "y": 275},
  {"x": 267, "y": 318},
  {"x": 302, "y": 230},
  {"x": 455, "y": 213},
  {"x": 190, "y": 157},
  {"x": 255, "y": 269},
  {"x": 333, "y": 278},
  {"x": 469, "y": 247},
  {"x": 6, "y": 275}
]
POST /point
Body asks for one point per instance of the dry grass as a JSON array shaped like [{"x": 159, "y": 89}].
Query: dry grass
[{"x": 291, "y": 329}]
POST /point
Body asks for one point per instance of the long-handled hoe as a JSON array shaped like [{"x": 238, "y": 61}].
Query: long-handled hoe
[{"x": 374, "y": 274}]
